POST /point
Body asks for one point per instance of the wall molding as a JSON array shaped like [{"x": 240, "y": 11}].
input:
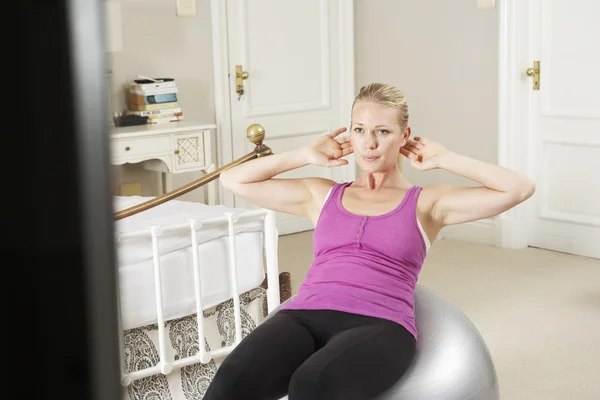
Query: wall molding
[
  {"x": 348, "y": 74},
  {"x": 514, "y": 104},
  {"x": 324, "y": 102},
  {"x": 221, "y": 92}
]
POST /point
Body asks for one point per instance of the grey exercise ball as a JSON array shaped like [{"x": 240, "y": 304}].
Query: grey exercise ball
[{"x": 452, "y": 361}]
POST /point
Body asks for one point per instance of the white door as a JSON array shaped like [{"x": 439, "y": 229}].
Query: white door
[
  {"x": 565, "y": 126},
  {"x": 298, "y": 57}
]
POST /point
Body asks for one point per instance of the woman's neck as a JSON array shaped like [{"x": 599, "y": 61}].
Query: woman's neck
[{"x": 379, "y": 180}]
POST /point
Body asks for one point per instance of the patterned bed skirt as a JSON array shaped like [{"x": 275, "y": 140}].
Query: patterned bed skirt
[{"x": 141, "y": 346}]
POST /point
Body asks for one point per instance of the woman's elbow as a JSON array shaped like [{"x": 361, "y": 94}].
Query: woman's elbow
[
  {"x": 226, "y": 179},
  {"x": 525, "y": 189}
]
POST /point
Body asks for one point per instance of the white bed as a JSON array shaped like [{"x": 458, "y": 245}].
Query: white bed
[
  {"x": 161, "y": 352},
  {"x": 135, "y": 259}
]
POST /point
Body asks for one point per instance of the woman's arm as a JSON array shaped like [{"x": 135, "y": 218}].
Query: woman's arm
[
  {"x": 500, "y": 190},
  {"x": 254, "y": 180}
]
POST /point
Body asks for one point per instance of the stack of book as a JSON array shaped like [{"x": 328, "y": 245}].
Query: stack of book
[{"x": 154, "y": 99}]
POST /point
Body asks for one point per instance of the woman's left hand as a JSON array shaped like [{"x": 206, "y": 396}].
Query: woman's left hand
[{"x": 424, "y": 154}]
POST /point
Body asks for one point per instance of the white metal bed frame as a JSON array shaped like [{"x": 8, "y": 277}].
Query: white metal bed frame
[
  {"x": 255, "y": 134},
  {"x": 165, "y": 366}
]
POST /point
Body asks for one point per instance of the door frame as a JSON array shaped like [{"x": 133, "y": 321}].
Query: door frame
[
  {"x": 515, "y": 136},
  {"x": 221, "y": 71}
]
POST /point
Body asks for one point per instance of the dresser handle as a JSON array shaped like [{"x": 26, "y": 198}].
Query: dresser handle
[
  {"x": 127, "y": 148},
  {"x": 176, "y": 151}
]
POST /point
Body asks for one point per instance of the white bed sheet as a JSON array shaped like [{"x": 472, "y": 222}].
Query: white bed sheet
[{"x": 136, "y": 269}]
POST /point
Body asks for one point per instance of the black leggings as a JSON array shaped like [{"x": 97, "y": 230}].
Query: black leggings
[{"x": 315, "y": 355}]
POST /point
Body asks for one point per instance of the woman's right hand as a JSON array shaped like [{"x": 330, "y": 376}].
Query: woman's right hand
[
  {"x": 327, "y": 151},
  {"x": 256, "y": 180}
]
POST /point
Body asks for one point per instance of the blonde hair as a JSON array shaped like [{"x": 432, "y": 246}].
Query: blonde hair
[{"x": 387, "y": 95}]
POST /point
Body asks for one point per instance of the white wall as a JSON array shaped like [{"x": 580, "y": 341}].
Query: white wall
[
  {"x": 157, "y": 43},
  {"x": 443, "y": 55}
]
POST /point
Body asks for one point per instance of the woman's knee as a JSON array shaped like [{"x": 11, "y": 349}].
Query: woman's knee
[{"x": 226, "y": 383}]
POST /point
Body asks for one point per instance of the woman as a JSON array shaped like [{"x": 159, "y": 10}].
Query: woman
[{"x": 350, "y": 331}]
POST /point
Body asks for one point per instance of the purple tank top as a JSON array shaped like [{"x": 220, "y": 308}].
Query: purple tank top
[{"x": 365, "y": 265}]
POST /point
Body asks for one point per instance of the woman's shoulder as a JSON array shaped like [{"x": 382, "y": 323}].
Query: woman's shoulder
[
  {"x": 436, "y": 190},
  {"x": 319, "y": 183},
  {"x": 429, "y": 195},
  {"x": 319, "y": 187}
]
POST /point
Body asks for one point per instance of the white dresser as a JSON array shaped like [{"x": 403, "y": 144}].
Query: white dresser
[{"x": 170, "y": 148}]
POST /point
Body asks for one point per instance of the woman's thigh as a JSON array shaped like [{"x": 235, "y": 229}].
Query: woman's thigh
[
  {"x": 262, "y": 364},
  {"x": 359, "y": 363}
]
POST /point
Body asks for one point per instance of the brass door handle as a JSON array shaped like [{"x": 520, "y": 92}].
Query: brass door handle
[
  {"x": 535, "y": 73},
  {"x": 240, "y": 76}
]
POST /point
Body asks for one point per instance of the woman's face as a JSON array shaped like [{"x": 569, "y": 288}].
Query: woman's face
[{"x": 376, "y": 136}]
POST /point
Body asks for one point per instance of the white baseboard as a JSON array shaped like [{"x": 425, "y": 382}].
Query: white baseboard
[
  {"x": 483, "y": 232},
  {"x": 512, "y": 230}
]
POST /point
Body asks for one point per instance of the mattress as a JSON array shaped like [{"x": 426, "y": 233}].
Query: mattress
[{"x": 136, "y": 266}]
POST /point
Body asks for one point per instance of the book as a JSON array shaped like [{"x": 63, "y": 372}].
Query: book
[
  {"x": 146, "y": 92},
  {"x": 164, "y": 120},
  {"x": 151, "y": 98},
  {"x": 165, "y": 111},
  {"x": 144, "y": 80},
  {"x": 158, "y": 116},
  {"x": 146, "y": 97},
  {"x": 153, "y": 107},
  {"x": 146, "y": 84}
]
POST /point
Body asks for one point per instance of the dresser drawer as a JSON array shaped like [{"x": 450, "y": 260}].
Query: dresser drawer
[{"x": 139, "y": 146}]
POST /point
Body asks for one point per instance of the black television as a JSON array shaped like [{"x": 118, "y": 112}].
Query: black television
[{"x": 62, "y": 328}]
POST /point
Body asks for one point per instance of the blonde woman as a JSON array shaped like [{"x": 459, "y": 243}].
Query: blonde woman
[{"x": 350, "y": 331}]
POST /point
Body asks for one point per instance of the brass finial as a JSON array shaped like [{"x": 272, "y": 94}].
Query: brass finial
[{"x": 256, "y": 134}]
